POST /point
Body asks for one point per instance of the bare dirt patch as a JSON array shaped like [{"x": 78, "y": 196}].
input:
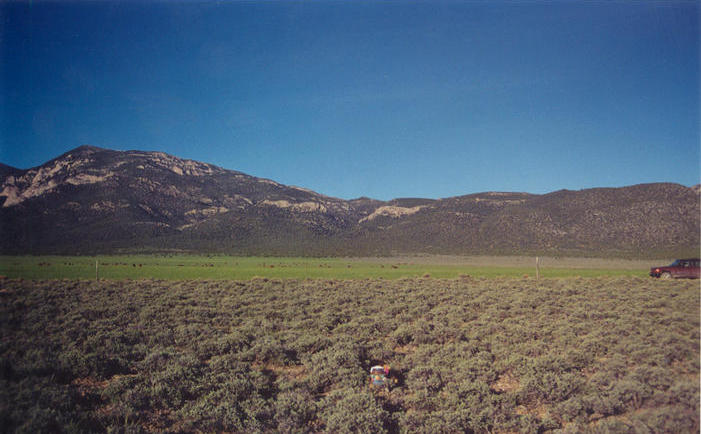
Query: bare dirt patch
[{"x": 505, "y": 383}]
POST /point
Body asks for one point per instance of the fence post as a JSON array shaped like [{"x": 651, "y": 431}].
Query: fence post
[
  {"x": 97, "y": 276},
  {"x": 537, "y": 268}
]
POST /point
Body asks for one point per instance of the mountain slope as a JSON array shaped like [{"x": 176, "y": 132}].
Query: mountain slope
[{"x": 97, "y": 200}]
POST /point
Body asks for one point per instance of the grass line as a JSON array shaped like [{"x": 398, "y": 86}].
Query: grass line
[{"x": 186, "y": 267}]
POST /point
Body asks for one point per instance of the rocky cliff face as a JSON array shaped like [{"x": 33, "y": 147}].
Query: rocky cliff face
[{"x": 97, "y": 200}]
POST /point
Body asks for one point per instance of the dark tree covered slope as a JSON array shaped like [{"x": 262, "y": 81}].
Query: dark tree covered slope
[{"x": 98, "y": 200}]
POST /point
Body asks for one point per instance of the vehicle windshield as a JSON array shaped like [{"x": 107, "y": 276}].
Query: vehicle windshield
[{"x": 676, "y": 263}]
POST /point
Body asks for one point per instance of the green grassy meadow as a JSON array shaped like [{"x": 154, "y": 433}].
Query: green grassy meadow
[{"x": 192, "y": 267}]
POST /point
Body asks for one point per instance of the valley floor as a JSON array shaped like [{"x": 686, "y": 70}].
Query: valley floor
[
  {"x": 604, "y": 354},
  {"x": 194, "y": 267}
]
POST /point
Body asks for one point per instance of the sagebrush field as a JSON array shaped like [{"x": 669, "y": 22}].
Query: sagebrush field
[{"x": 606, "y": 354}]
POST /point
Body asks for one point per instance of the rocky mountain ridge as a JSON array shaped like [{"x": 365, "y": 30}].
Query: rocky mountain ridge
[{"x": 92, "y": 200}]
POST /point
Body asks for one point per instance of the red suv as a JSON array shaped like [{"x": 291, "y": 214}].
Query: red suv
[{"x": 687, "y": 268}]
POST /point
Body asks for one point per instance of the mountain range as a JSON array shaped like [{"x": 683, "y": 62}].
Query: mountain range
[{"x": 92, "y": 200}]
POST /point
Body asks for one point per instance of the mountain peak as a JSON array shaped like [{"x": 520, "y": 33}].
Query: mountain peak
[
  {"x": 85, "y": 149},
  {"x": 92, "y": 199},
  {"x": 80, "y": 151}
]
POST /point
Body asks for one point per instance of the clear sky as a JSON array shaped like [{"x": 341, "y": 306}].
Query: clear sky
[{"x": 357, "y": 98}]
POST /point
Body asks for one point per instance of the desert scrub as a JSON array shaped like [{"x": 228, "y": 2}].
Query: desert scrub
[
  {"x": 354, "y": 411},
  {"x": 476, "y": 355}
]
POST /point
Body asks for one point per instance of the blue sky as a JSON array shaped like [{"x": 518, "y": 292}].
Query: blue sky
[{"x": 383, "y": 99}]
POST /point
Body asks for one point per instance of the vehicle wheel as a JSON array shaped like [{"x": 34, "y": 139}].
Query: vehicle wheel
[{"x": 665, "y": 275}]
